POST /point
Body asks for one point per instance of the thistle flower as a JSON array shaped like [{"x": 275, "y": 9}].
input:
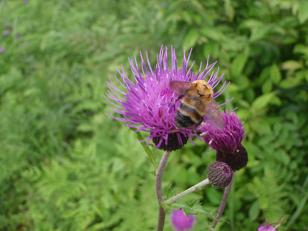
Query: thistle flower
[
  {"x": 220, "y": 174},
  {"x": 227, "y": 141},
  {"x": 2, "y": 50},
  {"x": 145, "y": 102},
  {"x": 180, "y": 221},
  {"x": 266, "y": 227}
]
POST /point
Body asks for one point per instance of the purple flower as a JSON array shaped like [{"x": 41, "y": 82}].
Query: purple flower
[
  {"x": 227, "y": 141},
  {"x": 266, "y": 227},
  {"x": 180, "y": 221},
  {"x": 145, "y": 102},
  {"x": 2, "y": 50}
]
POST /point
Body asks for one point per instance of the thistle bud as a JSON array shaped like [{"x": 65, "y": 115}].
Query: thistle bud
[{"x": 220, "y": 174}]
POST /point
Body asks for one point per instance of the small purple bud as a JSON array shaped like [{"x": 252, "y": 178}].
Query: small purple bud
[
  {"x": 182, "y": 222},
  {"x": 266, "y": 227},
  {"x": 2, "y": 50},
  {"x": 220, "y": 174}
]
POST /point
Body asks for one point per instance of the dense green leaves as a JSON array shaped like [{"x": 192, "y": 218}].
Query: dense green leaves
[{"x": 66, "y": 165}]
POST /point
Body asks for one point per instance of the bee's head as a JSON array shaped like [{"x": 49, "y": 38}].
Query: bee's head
[{"x": 203, "y": 88}]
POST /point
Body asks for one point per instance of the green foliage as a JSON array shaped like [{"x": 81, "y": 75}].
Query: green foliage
[{"x": 66, "y": 165}]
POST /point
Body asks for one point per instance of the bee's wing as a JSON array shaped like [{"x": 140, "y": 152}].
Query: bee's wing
[
  {"x": 214, "y": 115},
  {"x": 180, "y": 87}
]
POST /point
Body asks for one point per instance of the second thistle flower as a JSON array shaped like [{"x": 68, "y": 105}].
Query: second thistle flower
[{"x": 227, "y": 141}]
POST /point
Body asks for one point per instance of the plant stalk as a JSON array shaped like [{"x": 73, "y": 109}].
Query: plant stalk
[
  {"x": 159, "y": 193},
  {"x": 194, "y": 188},
  {"x": 222, "y": 205}
]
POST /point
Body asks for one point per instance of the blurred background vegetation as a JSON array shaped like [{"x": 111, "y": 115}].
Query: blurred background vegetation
[{"x": 66, "y": 165}]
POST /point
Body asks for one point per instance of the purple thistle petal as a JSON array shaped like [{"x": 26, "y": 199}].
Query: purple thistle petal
[
  {"x": 221, "y": 89},
  {"x": 147, "y": 102},
  {"x": 182, "y": 222}
]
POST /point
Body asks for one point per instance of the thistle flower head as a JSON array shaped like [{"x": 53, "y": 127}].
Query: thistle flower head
[
  {"x": 182, "y": 222},
  {"x": 266, "y": 227},
  {"x": 220, "y": 174},
  {"x": 227, "y": 139},
  {"x": 145, "y": 101}
]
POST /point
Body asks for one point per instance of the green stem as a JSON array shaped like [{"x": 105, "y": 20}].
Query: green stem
[
  {"x": 194, "y": 188},
  {"x": 159, "y": 192},
  {"x": 222, "y": 205}
]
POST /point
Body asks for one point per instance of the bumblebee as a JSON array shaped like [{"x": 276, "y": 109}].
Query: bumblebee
[{"x": 197, "y": 103}]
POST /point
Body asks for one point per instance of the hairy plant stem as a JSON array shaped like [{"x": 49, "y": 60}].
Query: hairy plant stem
[
  {"x": 194, "y": 188},
  {"x": 159, "y": 193},
  {"x": 222, "y": 205}
]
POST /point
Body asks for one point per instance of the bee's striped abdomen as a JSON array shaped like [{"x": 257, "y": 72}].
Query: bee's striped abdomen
[
  {"x": 183, "y": 121},
  {"x": 187, "y": 116}
]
